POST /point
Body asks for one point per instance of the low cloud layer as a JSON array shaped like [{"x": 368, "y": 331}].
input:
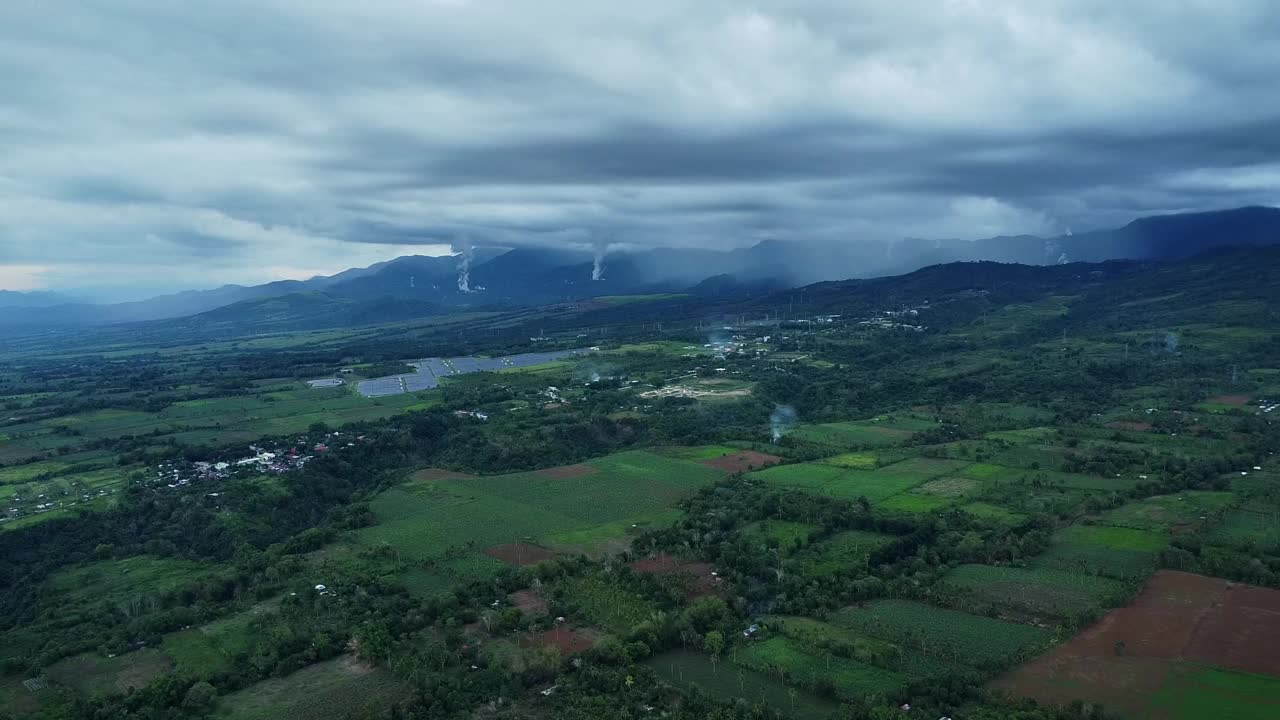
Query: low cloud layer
[{"x": 148, "y": 144}]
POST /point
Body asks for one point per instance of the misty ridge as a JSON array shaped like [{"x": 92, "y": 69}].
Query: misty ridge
[{"x": 483, "y": 276}]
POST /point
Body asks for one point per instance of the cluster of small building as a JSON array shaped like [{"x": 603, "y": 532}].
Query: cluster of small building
[{"x": 261, "y": 460}]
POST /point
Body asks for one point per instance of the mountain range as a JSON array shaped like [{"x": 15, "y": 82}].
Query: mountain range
[{"x": 416, "y": 286}]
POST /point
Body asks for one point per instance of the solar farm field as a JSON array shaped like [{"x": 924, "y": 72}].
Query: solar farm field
[
  {"x": 594, "y": 502},
  {"x": 945, "y": 634},
  {"x": 1051, "y": 592}
]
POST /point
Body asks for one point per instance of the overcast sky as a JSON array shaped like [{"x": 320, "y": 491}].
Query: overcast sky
[{"x": 148, "y": 144}]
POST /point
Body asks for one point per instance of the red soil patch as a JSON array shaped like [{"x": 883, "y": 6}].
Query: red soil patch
[
  {"x": 704, "y": 582},
  {"x": 1230, "y": 399},
  {"x": 742, "y": 461},
  {"x": 519, "y": 553},
  {"x": 1178, "y": 617},
  {"x": 565, "y": 640},
  {"x": 529, "y": 602},
  {"x": 567, "y": 471},
  {"x": 433, "y": 474},
  {"x": 1125, "y": 425}
]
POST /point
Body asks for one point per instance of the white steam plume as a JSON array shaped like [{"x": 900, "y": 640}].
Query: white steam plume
[
  {"x": 464, "y": 266},
  {"x": 597, "y": 264},
  {"x": 781, "y": 420}
]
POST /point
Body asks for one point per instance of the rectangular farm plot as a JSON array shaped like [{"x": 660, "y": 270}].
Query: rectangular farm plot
[
  {"x": 852, "y": 435},
  {"x": 1248, "y": 530},
  {"x": 874, "y": 485},
  {"x": 945, "y": 634},
  {"x": 601, "y": 490},
  {"x": 1168, "y": 512},
  {"x": 1051, "y": 592},
  {"x": 1044, "y": 478},
  {"x": 1188, "y": 646},
  {"x": 1121, "y": 553},
  {"x": 689, "y": 669},
  {"x": 849, "y": 550},
  {"x": 425, "y": 519},
  {"x": 782, "y": 533},
  {"x": 783, "y": 656}
]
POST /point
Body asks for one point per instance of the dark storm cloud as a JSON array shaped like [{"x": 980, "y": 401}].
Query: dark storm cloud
[{"x": 240, "y": 141}]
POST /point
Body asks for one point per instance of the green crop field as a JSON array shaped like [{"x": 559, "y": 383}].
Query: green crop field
[
  {"x": 1163, "y": 512},
  {"x": 1037, "y": 590},
  {"x": 856, "y": 461},
  {"x": 1248, "y": 529},
  {"x": 950, "y": 487},
  {"x": 848, "y": 550},
  {"x": 687, "y": 669},
  {"x": 610, "y": 536},
  {"x": 92, "y": 674},
  {"x": 1116, "y": 552},
  {"x": 993, "y": 513},
  {"x": 822, "y": 638},
  {"x": 606, "y": 604},
  {"x": 1194, "y": 692},
  {"x": 799, "y": 475},
  {"x": 851, "y": 435},
  {"x": 337, "y": 688},
  {"x": 597, "y": 504},
  {"x": 785, "y": 657},
  {"x": 441, "y": 575},
  {"x": 946, "y": 634},
  {"x": 209, "y": 649},
  {"x": 1045, "y": 478},
  {"x": 109, "y": 579},
  {"x": 914, "y": 503},
  {"x": 834, "y": 481},
  {"x": 782, "y": 533}
]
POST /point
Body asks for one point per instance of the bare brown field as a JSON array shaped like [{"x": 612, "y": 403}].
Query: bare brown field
[
  {"x": 742, "y": 461},
  {"x": 1178, "y": 618}
]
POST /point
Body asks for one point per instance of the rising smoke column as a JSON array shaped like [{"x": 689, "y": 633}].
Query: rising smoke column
[
  {"x": 781, "y": 420},
  {"x": 465, "y": 252},
  {"x": 597, "y": 264}
]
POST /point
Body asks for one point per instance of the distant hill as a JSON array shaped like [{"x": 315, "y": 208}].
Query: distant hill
[
  {"x": 14, "y": 299},
  {"x": 535, "y": 276}
]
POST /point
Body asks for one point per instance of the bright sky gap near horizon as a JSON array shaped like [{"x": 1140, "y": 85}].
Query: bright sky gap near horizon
[{"x": 149, "y": 146}]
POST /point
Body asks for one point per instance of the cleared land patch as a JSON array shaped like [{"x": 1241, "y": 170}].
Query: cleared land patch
[
  {"x": 742, "y": 461},
  {"x": 1188, "y": 646},
  {"x": 567, "y": 471}
]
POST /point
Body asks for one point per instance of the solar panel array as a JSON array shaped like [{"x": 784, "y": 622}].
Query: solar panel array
[{"x": 430, "y": 370}]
